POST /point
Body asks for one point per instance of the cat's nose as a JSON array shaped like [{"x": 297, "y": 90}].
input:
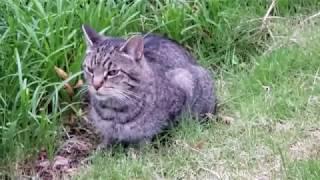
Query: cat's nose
[{"x": 97, "y": 83}]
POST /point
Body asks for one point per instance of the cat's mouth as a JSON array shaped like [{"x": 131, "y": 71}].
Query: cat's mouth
[{"x": 103, "y": 96}]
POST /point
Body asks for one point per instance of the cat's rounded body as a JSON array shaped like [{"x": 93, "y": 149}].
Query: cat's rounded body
[{"x": 139, "y": 87}]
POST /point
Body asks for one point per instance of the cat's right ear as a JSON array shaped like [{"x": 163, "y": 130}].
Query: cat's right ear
[{"x": 91, "y": 36}]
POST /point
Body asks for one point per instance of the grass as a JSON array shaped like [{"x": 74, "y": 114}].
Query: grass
[
  {"x": 305, "y": 170},
  {"x": 268, "y": 85}
]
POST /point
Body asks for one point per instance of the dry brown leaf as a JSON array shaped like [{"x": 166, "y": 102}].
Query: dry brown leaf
[
  {"x": 43, "y": 164},
  {"x": 60, "y": 163},
  {"x": 78, "y": 84},
  {"x": 133, "y": 153},
  {"x": 199, "y": 145},
  {"x": 61, "y": 73},
  {"x": 227, "y": 119},
  {"x": 69, "y": 89},
  {"x": 71, "y": 120}
]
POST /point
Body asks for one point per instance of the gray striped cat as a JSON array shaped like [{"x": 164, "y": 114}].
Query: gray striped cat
[{"x": 140, "y": 86}]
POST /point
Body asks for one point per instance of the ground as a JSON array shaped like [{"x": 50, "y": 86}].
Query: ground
[{"x": 266, "y": 67}]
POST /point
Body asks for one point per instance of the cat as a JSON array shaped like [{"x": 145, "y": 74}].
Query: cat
[{"x": 140, "y": 86}]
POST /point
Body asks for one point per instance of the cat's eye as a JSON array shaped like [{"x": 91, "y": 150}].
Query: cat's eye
[
  {"x": 90, "y": 70},
  {"x": 113, "y": 72}
]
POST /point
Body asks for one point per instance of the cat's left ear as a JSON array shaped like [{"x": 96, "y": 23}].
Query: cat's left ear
[
  {"x": 134, "y": 47},
  {"x": 91, "y": 36}
]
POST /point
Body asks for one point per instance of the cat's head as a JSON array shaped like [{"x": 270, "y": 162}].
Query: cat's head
[{"x": 113, "y": 67}]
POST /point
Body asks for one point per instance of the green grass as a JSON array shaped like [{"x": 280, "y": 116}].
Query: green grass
[
  {"x": 309, "y": 169},
  {"x": 268, "y": 84}
]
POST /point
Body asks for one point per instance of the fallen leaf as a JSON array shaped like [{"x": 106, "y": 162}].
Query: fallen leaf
[
  {"x": 61, "y": 73},
  {"x": 43, "y": 164},
  {"x": 227, "y": 119},
  {"x": 71, "y": 120},
  {"x": 60, "y": 163},
  {"x": 69, "y": 89},
  {"x": 133, "y": 153},
  {"x": 199, "y": 145},
  {"x": 78, "y": 84}
]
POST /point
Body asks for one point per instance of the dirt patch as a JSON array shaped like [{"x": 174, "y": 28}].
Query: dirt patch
[
  {"x": 284, "y": 127},
  {"x": 76, "y": 146},
  {"x": 70, "y": 156},
  {"x": 267, "y": 165},
  {"x": 308, "y": 147}
]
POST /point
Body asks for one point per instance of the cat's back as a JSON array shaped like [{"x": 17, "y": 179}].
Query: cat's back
[{"x": 159, "y": 49}]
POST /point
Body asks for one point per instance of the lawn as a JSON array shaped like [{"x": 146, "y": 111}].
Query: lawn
[{"x": 267, "y": 75}]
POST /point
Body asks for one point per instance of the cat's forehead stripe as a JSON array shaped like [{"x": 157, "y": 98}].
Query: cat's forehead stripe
[
  {"x": 100, "y": 55},
  {"x": 106, "y": 59},
  {"x": 103, "y": 56}
]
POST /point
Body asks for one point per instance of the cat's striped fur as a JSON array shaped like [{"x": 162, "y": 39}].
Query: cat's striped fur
[{"x": 139, "y": 86}]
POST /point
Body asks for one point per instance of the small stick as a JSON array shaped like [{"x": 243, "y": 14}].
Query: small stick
[
  {"x": 265, "y": 18},
  {"x": 211, "y": 171},
  {"x": 311, "y": 17}
]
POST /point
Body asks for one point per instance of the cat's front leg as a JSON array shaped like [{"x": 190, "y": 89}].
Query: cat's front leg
[
  {"x": 144, "y": 142},
  {"x": 106, "y": 143},
  {"x": 105, "y": 131}
]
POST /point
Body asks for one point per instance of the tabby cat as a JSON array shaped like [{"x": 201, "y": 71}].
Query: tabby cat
[{"x": 140, "y": 86}]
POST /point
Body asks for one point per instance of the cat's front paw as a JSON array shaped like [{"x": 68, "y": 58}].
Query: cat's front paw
[
  {"x": 142, "y": 144},
  {"x": 104, "y": 145}
]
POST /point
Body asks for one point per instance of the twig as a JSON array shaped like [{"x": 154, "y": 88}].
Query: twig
[
  {"x": 311, "y": 17},
  {"x": 265, "y": 18},
  {"x": 183, "y": 144},
  {"x": 301, "y": 25},
  {"x": 212, "y": 172}
]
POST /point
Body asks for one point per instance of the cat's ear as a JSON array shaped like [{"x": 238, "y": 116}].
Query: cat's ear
[
  {"x": 134, "y": 47},
  {"x": 91, "y": 36}
]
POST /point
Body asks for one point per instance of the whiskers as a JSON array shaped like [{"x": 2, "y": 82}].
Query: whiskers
[{"x": 122, "y": 95}]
